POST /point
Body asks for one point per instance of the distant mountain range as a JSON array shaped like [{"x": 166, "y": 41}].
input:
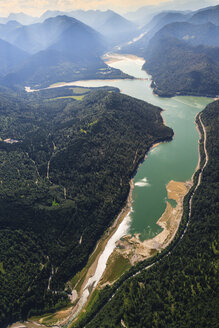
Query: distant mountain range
[
  {"x": 112, "y": 25},
  {"x": 143, "y": 15},
  {"x": 59, "y": 49},
  {"x": 21, "y": 18},
  {"x": 182, "y": 52},
  {"x": 180, "y": 48},
  {"x": 10, "y": 57},
  {"x": 39, "y": 36},
  {"x": 203, "y": 16}
]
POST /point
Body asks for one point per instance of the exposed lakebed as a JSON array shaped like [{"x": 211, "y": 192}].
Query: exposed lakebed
[
  {"x": 176, "y": 160},
  {"x": 155, "y": 187}
]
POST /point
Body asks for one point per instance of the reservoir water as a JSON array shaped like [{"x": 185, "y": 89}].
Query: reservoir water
[{"x": 175, "y": 160}]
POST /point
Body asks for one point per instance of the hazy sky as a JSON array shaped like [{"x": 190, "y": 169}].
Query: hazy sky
[{"x": 37, "y": 7}]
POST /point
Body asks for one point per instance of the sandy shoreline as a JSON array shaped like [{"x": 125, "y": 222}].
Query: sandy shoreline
[
  {"x": 89, "y": 271},
  {"x": 92, "y": 267},
  {"x": 63, "y": 317},
  {"x": 132, "y": 248},
  {"x": 113, "y": 58},
  {"x": 102, "y": 243}
]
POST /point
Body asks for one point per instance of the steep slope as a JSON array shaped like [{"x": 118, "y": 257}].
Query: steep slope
[
  {"x": 106, "y": 22},
  {"x": 10, "y": 57},
  {"x": 6, "y": 30},
  {"x": 66, "y": 179},
  {"x": 206, "y": 15},
  {"x": 144, "y": 14},
  {"x": 110, "y": 24},
  {"x": 150, "y": 29},
  {"x": 202, "y": 34},
  {"x": 79, "y": 39},
  {"x": 36, "y": 37},
  {"x": 117, "y": 29},
  {"x": 210, "y": 15},
  {"x": 178, "y": 65},
  {"x": 75, "y": 54},
  {"x": 162, "y": 19},
  {"x": 183, "y": 58}
]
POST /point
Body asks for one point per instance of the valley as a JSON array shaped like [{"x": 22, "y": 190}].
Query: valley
[
  {"x": 181, "y": 53},
  {"x": 152, "y": 227},
  {"x": 72, "y": 188},
  {"x": 109, "y": 168}
]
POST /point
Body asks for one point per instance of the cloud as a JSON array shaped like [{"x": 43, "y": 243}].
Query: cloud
[{"x": 37, "y": 7}]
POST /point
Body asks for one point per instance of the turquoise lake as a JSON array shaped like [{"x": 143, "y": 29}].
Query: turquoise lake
[{"x": 176, "y": 160}]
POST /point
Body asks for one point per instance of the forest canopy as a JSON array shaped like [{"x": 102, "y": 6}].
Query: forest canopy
[
  {"x": 66, "y": 163},
  {"x": 181, "y": 290}
]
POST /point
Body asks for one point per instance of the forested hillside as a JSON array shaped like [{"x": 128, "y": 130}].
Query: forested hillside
[
  {"x": 209, "y": 14},
  {"x": 181, "y": 52},
  {"x": 179, "y": 68},
  {"x": 183, "y": 59},
  {"x": 67, "y": 156},
  {"x": 182, "y": 289}
]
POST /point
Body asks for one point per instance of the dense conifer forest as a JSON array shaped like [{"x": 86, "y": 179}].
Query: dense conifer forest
[
  {"x": 179, "y": 68},
  {"x": 181, "y": 50},
  {"x": 67, "y": 156}
]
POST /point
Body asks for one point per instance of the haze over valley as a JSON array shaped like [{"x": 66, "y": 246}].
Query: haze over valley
[{"x": 109, "y": 164}]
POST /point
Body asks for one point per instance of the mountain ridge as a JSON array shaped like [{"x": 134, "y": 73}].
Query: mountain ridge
[{"x": 11, "y": 57}]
